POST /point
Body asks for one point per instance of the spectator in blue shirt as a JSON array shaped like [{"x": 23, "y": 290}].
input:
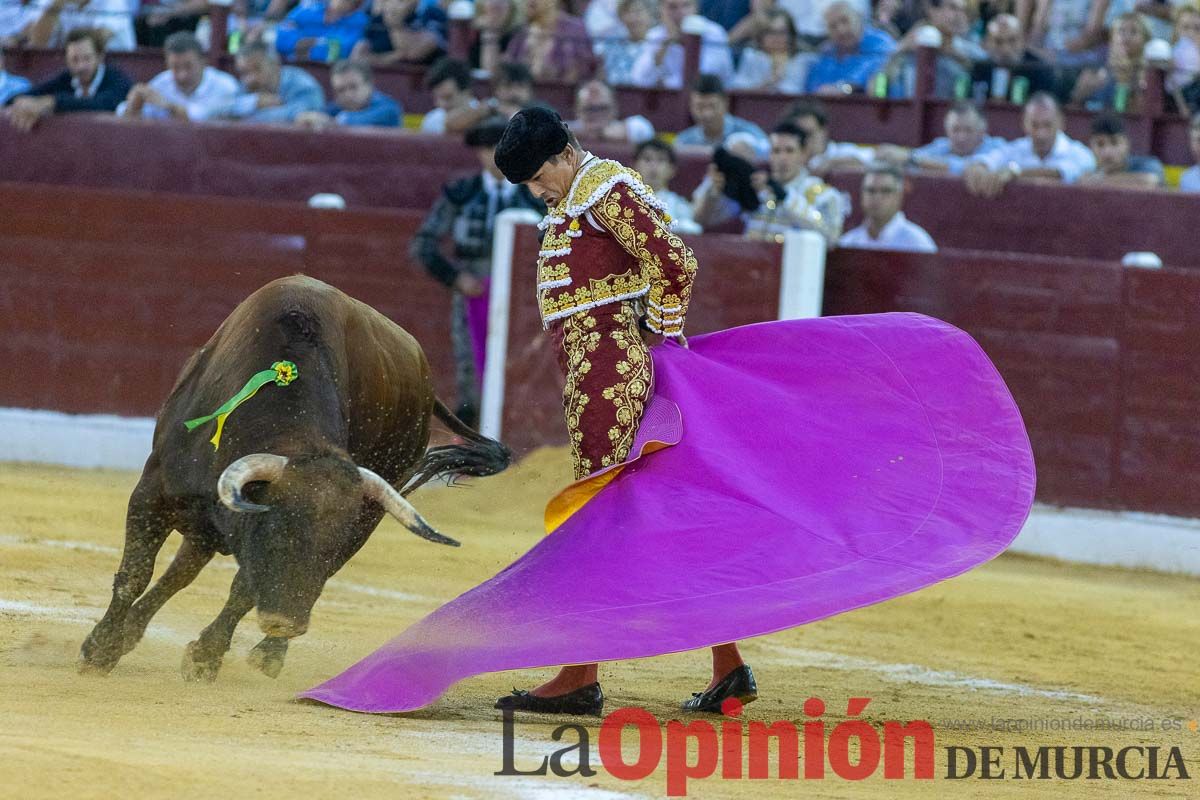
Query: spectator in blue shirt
[
  {"x": 1114, "y": 164},
  {"x": 966, "y": 138},
  {"x": 403, "y": 31},
  {"x": 709, "y": 106},
  {"x": 851, "y": 56},
  {"x": 356, "y": 101},
  {"x": 321, "y": 30},
  {"x": 272, "y": 92},
  {"x": 10, "y": 85}
]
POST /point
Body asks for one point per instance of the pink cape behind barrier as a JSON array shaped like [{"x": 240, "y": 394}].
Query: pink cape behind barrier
[{"x": 822, "y": 465}]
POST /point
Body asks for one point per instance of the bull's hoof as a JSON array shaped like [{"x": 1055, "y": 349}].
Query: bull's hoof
[
  {"x": 267, "y": 656},
  {"x": 85, "y": 667},
  {"x": 196, "y": 669},
  {"x": 95, "y": 659}
]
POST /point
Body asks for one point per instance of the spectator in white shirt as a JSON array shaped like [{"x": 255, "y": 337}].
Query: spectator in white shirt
[
  {"x": 1044, "y": 152},
  {"x": 884, "y": 225},
  {"x": 1189, "y": 181},
  {"x": 660, "y": 62},
  {"x": 812, "y": 117},
  {"x": 596, "y": 119},
  {"x": 449, "y": 81},
  {"x": 187, "y": 90},
  {"x": 655, "y": 162}
]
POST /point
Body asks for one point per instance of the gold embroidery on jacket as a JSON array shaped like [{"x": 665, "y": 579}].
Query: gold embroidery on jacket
[
  {"x": 616, "y": 196},
  {"x": 627, "y": 389},
  {"x": 617, "y": 215},
  {"x": 632, "y": 392},
  {"x": 580, "y": 338},
  {"x": 561, "y": 302}
]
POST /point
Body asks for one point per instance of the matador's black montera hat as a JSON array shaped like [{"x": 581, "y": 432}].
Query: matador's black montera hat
[{"x": 533, "y": 135}]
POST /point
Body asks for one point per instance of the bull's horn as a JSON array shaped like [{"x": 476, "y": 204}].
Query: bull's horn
[
  {"x": 254, "y": 467},
  {"x": 379, "y": 490}
]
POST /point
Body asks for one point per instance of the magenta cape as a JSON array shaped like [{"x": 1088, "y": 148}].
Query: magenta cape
[{"x": 820, "y": 465}]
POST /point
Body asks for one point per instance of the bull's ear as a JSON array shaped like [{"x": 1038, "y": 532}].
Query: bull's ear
[
  {"x": 379, "y": 490},
  {"x": 254, "y": 467}
]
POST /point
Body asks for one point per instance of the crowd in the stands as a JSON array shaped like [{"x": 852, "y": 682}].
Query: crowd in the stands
[{"x": 1042, "y": 54}]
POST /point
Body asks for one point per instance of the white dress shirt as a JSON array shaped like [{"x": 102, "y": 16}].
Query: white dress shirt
[
  {"x": 1069, "y": 157},
  {"x": 213, "y": 96},
  {"x": 897, "y": 234}
]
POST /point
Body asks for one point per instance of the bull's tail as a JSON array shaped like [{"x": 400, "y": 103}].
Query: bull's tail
[{"x": 477, "y": 456}]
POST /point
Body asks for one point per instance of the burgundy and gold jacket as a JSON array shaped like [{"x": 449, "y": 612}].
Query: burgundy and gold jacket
[{"x": 609, "y": 240}]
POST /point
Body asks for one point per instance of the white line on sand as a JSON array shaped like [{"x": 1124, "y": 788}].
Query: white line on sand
[
  {"x": 10, "y": 540},
  {"x": 915, "y": 673},
  {"x": 81, "y": 615},
  {"x": 23, "y": 608}
]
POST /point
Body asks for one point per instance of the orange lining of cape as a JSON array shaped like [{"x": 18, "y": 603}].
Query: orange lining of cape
[{"x": 576, "y": 495}]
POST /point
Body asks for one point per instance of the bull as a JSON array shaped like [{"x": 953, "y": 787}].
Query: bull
[{"x": 302, "y": 474}]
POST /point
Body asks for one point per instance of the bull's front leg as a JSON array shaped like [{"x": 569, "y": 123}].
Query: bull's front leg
[
  {"x": 147, "y": 525},
  {"x": 188, "y": 561},
  {"x": 202, "y": 658}
]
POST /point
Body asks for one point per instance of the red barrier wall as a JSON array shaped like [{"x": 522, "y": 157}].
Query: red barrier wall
[
  {"x": 104, "y": 294},
  {"x": 1051, "y": 327},
  {"x": 1048, "y": 219}
]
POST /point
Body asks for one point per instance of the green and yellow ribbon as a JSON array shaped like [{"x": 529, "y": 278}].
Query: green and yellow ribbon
[{"x": 281, "y": 373}]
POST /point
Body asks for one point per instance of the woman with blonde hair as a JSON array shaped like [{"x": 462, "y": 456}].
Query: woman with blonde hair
[
  {"x": 1117, "y": 85},
  {"x": 774, "y": 63},
  {"x": 497, "y": 22}
]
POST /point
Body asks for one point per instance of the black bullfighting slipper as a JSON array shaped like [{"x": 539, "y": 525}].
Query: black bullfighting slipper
[
  {"x": 584, "y": 700},
  {"x": 739, "y": 683}
]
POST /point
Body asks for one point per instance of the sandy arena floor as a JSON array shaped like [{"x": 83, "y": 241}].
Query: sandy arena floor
[{"x": 1017, "y": 639}]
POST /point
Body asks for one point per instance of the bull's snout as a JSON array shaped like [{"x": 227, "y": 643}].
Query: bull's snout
[{"x": 274, "y": 624}]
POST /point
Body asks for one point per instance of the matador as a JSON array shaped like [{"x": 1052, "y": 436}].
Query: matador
[{"x": 612, "y": 278}]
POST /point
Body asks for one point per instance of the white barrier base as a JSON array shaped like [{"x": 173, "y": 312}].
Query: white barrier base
[
  {"x": 75, "y": 440},
  {"x": 1113, "y": 538},
  {"x": 1110, "y": 538}
]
